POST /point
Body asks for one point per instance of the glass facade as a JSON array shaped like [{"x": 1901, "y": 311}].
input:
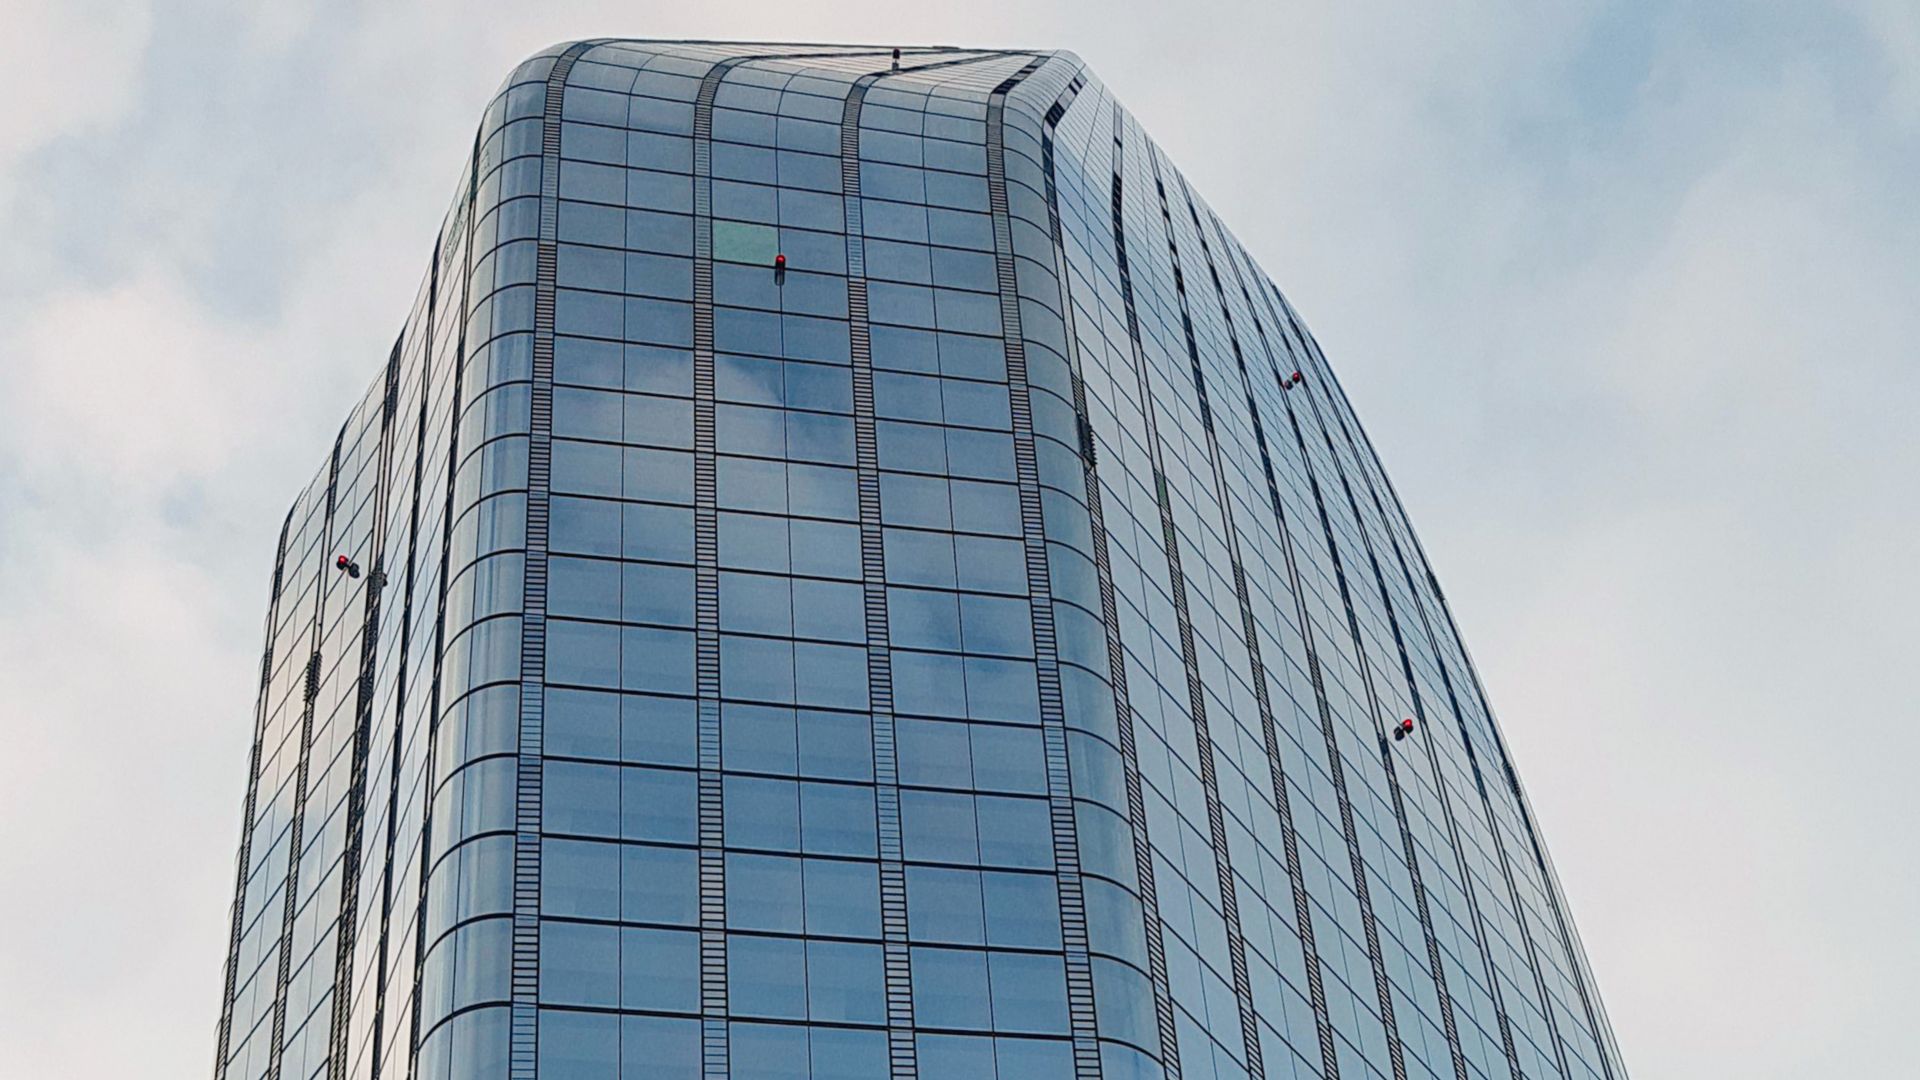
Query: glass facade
[{"x": 853, "y": 573}]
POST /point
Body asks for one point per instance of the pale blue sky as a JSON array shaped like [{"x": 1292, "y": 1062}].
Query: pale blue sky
[{"x": 1625, "y": 294}]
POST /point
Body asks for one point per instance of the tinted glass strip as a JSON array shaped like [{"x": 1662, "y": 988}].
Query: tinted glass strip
[
  {"x": 1243, "y": 989},
  {"x": 1066, "y": 849},
  {"x": 706, "y": 595},
  {"x": 525, "y": 985},
  {"x": 386, "y": 958},
  {"x": 309, "y": 694},
  {"x": 1303, "y": 911},
  {"x": 1189, "y": 656},
  {"x": 1437, "y": 970},
  {"x": 1152, "y": 925},
  {"x": 375, "y": 558},
  {"x": 261, "y": 710}
]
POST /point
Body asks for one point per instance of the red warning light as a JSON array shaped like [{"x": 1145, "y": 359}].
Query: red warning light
[
  {"x": 1407, "y": 724},
  {"x": 342, "y": 562},
  {"x": 779, "y": 262}
]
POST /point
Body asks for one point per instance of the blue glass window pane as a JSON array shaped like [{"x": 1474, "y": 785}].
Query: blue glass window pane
[
  {"x": 1002, "y": 690},
  {"x": 657, "y": 532},
  {"x": 848, "y": 1054},
  {"x": 967, "y": 312},
  {"x": 586, "y": 363},
  {"x": 826, "y": 549},
  {"x": 830, "y": 676},
  {"x": 1014, "y": 832},
  {"x": 835, "y": 745},
  {"x": 647, "y": 230},
  {"x": 1035, "y": 1059},
  {"x": 759, "y": 669},
  {"x": 766, "y": 977},
  {"x": 766, "y": 1052},
  {"x": 581, "y": 723},
  {"x": 752, "y": 542},
  {"x": 820, "y": 437},
  {"x": 991, "y": 565},
  {"x": 944, "y": 905},
  {"x": 914, "y": 557},
  {"x": 910, "y": 447},
  {"x": 586, "y": 468},
  {"x": 752, "y": 484},
  {"x": 971, "y": 357},
  {"x": 659, "y": 969},
  {"x": 658, "y": 475},
  {"x": 1029, "y": 992},
  {"x": 579, "y": 963},
  {"x": 744, "y": 429},
  {"x": 758, "y": 738},
  {"x": 837, "y": 819},
  {"x": 658, "y": 804},
  {"x": 842, "y": 898},
  {"x": 657, "y": 730},
  {"x": 823, "y": 491},
  {"x": 660, "y": 370},
  {"x": 997, "y": 624},
  {"x": 1023, "y": 910},
  {"x": 965, "y": 269},
  {"x": 756, "y": 603},
  {"x": 986, "y": 508},
  {"x": 659, "y": 884},
  {"x": 890, "y": 260},
  {"x": 580, "y": 878},
  {"x": 931, "y": 684},
  {"x": 916, "y": 501},
  {"x": 923, "y": 619},
  {"x": 828, "y": 610},
  {"x": 985, "y": 455},
  {"x": 950, "y": 989},
  {"x": 656, "y": 421},
  {"x": 587, "y": 526},
  {"x": 939, "y": 826},
  {"x": 578, "y": 1045},
  {"x": 750, "y": 380},
  {"x": 932, "y": 753},
  {"x": 657, "y": 660},
  {"x": 1008, "y": 759},
  {"x": 581, "y": 798},
  {"x": 762, "y": 813},
  {"x": 907, "y": 397},
  {"x": 659, "y": 1048},
  {"x": 764, "y": 893},
  {"x": 901, "y": 349},
  {"x": 657, "y": 594},
  {"x": 820, "y": 387},
  {"x": 845, "y": 983},
  {"x": 955, "y": 1057}
]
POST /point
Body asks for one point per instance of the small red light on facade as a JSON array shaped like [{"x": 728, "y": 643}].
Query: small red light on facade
[
  {"x": 1407, "y": 724},
  {"x": 779, "y": 262},
  {"x": 341, "y": 562}
]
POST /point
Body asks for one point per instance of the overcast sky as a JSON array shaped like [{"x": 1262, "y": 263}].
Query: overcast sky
[{"x": 1626, "y": 295}]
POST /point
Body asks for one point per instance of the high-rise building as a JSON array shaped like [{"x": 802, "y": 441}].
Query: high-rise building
[{"x": 851, "y": 572}]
